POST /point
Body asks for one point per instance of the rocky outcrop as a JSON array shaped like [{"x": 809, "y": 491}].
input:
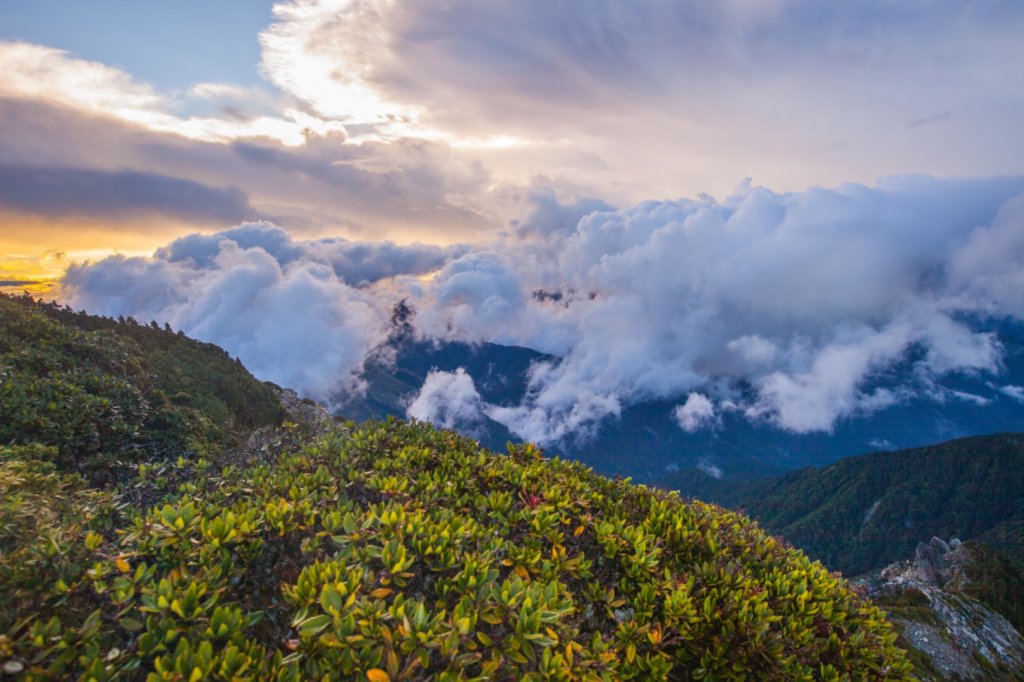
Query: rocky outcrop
[
  {"x": 951, "y": 634},
  {"x": 305, "y": 411}
]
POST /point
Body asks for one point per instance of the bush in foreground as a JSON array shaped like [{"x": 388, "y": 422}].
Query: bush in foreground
[{"x": 396, "y": 551}]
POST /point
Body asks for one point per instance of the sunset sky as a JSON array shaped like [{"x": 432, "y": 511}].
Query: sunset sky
[
  {"x": 794, "y": 191},
  {"x": 126, "y": 123}
]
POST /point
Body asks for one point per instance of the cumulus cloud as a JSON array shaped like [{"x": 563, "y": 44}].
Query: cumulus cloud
[
  {"x": 796, "y": 299},
  {"x": 449, "y": 400},
  {"x": 1015, "y": 392},
  {"x": 990, "y": 264},
  {"x": 357, "y": 263},
  {"x": 709, "y": 469},
  {"x": 290, "y": 317},
  {"x": 696, "y": 413},
  {"x": 785, "y": 308}
]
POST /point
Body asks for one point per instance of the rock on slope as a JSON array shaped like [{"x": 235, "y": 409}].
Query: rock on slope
[{"x": 951, "y": 634}]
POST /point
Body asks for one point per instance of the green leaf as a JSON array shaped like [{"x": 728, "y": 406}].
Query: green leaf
[{"x": 314, "y": 625}]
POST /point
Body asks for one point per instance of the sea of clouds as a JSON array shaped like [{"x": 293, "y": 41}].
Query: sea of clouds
[{"x": 797, "y": 298}]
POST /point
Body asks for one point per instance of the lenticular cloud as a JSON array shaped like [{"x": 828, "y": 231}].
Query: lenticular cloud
[{"x": 777, "y": 306}]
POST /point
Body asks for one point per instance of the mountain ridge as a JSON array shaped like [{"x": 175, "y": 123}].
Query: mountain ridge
[
  {"x": 970, "y": 488},
  {"x": 736, "y": 447}
]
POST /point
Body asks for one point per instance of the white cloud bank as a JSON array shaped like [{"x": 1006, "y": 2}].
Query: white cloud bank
[
  {"x": 283, "y": 307},
  {"x": 710, "y": 469},
  {"x": 782, "y": 306},
  {"x": 800, "y": 296}
]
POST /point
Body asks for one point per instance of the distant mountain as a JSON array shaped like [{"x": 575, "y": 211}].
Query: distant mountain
[
  {"x": 393, "y": 381},
  {"x": 862, "y": 513},
  {"x": 737, "y": 448}
]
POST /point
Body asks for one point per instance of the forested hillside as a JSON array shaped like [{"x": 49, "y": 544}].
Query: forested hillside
[{"x": 864, "y": 512}]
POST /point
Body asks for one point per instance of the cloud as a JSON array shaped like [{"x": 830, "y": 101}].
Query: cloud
[
  {"x": 1015, "y": 392},
  {"x": 404, "y": 190},
  {"x": 41, "y": 73},
  {"x": 355, "y": 263},
  {"x": 814, "y": 399},
  {"x": 929, "y": 120},
  {"x": 695, "y": 414},
  {"x": 726, "y": 88},
  {"x": 798, "y": 300},
  {"x": 786, "y": 308},
  {"x": 55, "y": 191},
  {"x": 448, "y": 400},
  {"x": 709, "y": 469},
  {"x": 990, "y": 262},
  {"x": 294, "y": 322}
]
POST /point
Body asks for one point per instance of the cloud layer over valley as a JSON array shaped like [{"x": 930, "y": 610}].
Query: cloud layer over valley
[{"x": 779, "y": 306}]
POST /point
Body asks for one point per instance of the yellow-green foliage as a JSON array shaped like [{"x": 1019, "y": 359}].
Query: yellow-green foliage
[{"x": 396, "y": 551}]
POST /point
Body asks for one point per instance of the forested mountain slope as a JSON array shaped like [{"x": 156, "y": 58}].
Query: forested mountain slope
[{"x": 864, "y": 512}]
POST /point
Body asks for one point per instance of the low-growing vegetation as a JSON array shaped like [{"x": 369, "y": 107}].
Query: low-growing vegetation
[
  {"x": 396, "y": 551},
  {"x": 108, "y": 394}
]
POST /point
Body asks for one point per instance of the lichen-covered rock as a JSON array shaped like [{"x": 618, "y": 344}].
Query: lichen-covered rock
[{"x": 950, "y": 634}]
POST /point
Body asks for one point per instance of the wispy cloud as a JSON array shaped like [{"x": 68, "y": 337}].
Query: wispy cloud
[
  {"x": 929, "y": 120},
  {"x": 733, "y": 88}
]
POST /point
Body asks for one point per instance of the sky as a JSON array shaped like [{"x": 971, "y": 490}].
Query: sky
[{"x": 672, "y": 196}]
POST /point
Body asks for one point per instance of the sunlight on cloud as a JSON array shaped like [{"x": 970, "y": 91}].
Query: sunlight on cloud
[
  {"x": 668, "y": 98},
  {"x": 45, "y": 73},
  {"x": 42, "y": 73},
  {"x": 325, "y": 52},
  {"x": 333, "y": 84},
  {"x": 782, "y": 308}
]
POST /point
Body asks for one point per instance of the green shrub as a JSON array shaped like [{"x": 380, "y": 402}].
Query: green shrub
[
  {"x": 396, "y": 551},
  {"x": 97, "y": 391}
]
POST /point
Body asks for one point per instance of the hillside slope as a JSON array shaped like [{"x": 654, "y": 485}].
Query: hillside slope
[
  {"x": 105, "y": 392},
  {"x": 865, "y": 512},
  {"x": 396, "y": 551}
]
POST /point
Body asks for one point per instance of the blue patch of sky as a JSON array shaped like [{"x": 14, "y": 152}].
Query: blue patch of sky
[{"x": 171, "y": 44}]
